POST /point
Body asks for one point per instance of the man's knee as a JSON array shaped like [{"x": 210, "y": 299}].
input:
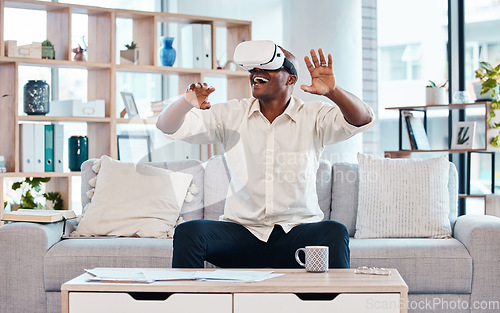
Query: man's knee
[
  {"x": 187, "y": 230},
  {"x": 335, "y": 230}
]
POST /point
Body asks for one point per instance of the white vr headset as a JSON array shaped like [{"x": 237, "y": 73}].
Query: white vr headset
[{"x": 262, "y": 54}]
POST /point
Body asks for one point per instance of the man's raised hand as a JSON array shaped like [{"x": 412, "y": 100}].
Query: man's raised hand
[
  {"x": 197, "y": 95},
  {"x": 322, "y": 76}
]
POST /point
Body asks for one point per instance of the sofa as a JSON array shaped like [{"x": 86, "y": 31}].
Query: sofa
[{"x": 459, "y": 274}]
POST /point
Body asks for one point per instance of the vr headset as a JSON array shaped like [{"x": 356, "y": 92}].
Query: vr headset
[{"x": 262, "y": 54}]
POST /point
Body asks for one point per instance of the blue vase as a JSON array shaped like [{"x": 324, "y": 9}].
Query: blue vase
[{"x": 167, "y": 53}]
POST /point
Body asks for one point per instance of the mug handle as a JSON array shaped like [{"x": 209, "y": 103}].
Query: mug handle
[{"x": 297, "y": 256}]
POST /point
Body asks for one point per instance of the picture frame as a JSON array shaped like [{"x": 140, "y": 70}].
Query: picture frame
[
  {"x": 129, "y": 103},
  {"x": 134, "y": 148},
  {"x": 463, "y": 135}
]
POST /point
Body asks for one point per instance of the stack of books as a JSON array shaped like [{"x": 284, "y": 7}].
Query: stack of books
[
  {"x": 157, "y": 107},
  {"x": 38, "y": 216}
]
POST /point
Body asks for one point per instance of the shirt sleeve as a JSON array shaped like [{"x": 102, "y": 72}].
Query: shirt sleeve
[
  {"x": 333, "y": 127},
  {"x": 199, "y": 127}
]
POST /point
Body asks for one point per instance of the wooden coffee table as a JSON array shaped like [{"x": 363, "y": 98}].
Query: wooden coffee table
[{"x": 339, "y": 290}]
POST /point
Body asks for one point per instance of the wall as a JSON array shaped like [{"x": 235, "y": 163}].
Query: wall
[{"x": 334, "y": 26}]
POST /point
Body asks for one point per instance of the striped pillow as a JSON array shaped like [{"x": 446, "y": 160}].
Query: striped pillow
[{"x": 403, "y": 198}]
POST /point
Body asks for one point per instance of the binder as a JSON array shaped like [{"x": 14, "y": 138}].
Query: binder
[
  {"x": 39, "y": 147},
  {"x": 191, "y": 46},
  {"x": 58, "y": 147},
  {"x": 27, "y": 154},
  {"x": 49, "y": 148},
  {"x": 206, "y": 35}
]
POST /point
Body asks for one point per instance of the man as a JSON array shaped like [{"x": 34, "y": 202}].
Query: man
[{"x": 273, "y": 143}]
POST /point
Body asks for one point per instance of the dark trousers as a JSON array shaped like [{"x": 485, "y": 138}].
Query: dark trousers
[{"x": 231, "y": 245}]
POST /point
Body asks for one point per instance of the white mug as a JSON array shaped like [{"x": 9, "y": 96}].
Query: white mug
[{"x": 316, "y": 258}]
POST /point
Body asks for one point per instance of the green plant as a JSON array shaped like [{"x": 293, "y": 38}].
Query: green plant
[
  {"x": 31, "y": 188},
  {"x": 47, "y": 43},
  {"x": 434, "y": 85},
  {"x": 131, "y": 46},
  {"x": 490, "y": 80},
  {"x": 55, "y": 197}
]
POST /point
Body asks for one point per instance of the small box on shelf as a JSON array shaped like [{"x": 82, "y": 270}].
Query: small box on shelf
[
  {"x": 33, "y": 50},
  {"x": 77, "y": 108}
]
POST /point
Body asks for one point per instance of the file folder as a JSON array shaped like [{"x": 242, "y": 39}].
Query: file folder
[
  {"x": 58, "y": 147},
  {"x": 49, "y": 148},
  {"x": 39, "y": 147},
  {"x": 27, "y": 154}
]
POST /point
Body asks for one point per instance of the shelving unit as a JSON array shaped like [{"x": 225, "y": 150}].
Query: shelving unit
[
  {"x": 486, "y": 147},
  {"x": 102, "y": 67}
]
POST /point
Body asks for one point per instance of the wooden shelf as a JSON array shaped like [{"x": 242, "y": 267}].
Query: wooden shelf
[
  {"x": 39, "y": 174},
  {"x": 149, "y": 120},
  {"x": 39, "y": 118},
  {"x": 461, "y": 106},
  {"x": 472, "y": 196},
  {"x": 102, "y": 69},
  {"x": 177, "y": 70},
  {"x": 55, "y": 63}
]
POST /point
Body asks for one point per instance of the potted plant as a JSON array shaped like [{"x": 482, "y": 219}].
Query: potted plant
[
  {"x": 435, "y": 93},
  {"x": 31, "y": 195},
  {"x": 131, "y": 55},
  {"x": 490, "y": 80},
  {"x": 48, "y": 50}
]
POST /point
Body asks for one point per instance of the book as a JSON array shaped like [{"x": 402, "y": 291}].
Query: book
[
  {"x": 39, "y": 216},
  {"x": 411, "y": 136},
  {"x": 49, "y": 148},
  {"x": 416, "y": 132}
]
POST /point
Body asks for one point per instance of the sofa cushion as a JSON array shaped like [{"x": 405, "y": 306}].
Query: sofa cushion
[
  {"x": 70, "y": 257},
  {"x": 426, "y": 265},
  {"x": 217, "y": 184},
  {"x": 133, "y": 200},
  {"x": 345, "y": 185},
  {"x": 189, "y": 211}
]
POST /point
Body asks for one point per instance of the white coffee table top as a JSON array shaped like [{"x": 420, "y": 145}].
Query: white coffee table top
[{"x": 293, "y": 281}]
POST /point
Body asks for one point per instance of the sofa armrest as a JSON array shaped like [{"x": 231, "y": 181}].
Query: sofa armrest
[
  {"x": 22, "y": 250},
  {"x": 480, "y": 234}
]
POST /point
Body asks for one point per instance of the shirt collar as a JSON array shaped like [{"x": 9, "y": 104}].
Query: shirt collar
[{"x": 291, "y": 110}]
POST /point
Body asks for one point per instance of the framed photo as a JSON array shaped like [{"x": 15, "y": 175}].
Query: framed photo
[
  {"x": 463, "y": 135},
  {"x": 129, "y": 102},
  {"x": 134, "y": 148}
]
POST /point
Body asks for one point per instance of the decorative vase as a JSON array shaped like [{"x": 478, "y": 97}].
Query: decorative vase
[
  {"x": 48, "y": 52},
  {"x": 78, "y": 150},
  {"x": 36, "y": 97},
  {"x": 167, "y": 53},
  {"x": 435, "y": 95}
]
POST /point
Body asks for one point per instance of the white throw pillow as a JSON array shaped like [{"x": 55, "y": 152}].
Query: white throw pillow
[
  {"x": 403, "y": 198},
  {"x": 133, "y": 200}
]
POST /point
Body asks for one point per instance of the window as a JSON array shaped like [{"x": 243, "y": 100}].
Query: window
[{"x": 400, "y": 62}]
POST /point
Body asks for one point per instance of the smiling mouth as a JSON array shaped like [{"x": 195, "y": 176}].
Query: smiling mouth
[{"x": 259, "y": 80}]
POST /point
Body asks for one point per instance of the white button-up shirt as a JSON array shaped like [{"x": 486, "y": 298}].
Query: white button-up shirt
[{"x": 272, "y": 165}]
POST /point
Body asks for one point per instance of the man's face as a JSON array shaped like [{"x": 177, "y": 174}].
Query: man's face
[{"x": 267, "y": 85}]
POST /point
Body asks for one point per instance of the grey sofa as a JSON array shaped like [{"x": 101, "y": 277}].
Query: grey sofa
[{"x": 443, "y": 275}]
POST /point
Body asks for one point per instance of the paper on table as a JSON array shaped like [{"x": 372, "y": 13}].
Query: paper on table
[
  {"x": 118, "y": 274},
  {"x": 152, "y": 275},
  {"x": 232, "y": 275}
]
